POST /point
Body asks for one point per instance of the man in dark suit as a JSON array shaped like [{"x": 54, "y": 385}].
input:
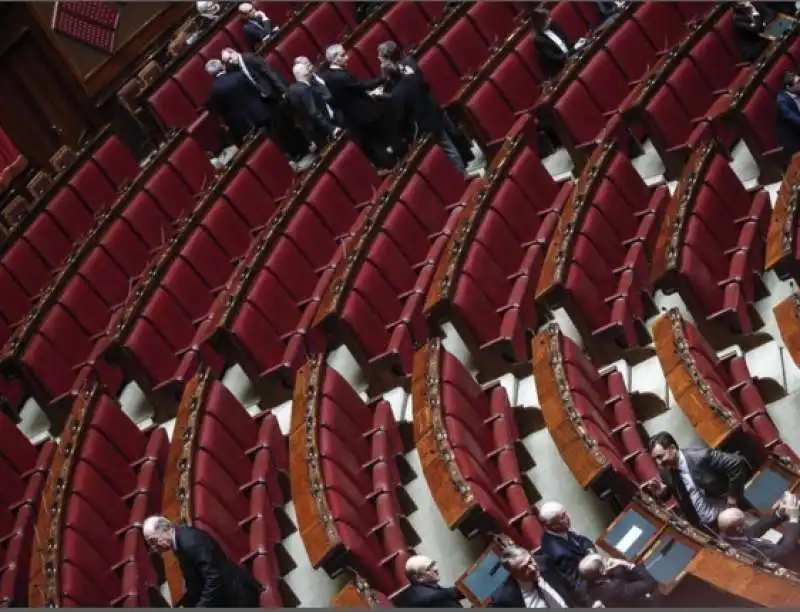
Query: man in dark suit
[
  {"x": 734, "y": 529},
  {"x": 551, "y": 42},
  {"x": 272, "y": 88},
  {"x": 565, "y": 549},
  {"x": 789, "y": 114},
  {"x": 425, "y": 590},
  {"x": 211, "y": 579},
  {"x": 748, "y": 26},
  {"x": 363, "y": 117},
  {"x": 417, "y": 111},
  {"x": 233, "y": 99},
  {"x": 257, "y": 26},
  {"x": 617, "y": 583},
  {"x": 703, "y": 481},
  {"x": 531, "y": 582},
  {"x": 315, "y": 116}
]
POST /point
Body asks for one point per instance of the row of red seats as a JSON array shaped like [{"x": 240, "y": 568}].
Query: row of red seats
[
  {"x": 23, "y": 471},
  {"x": 491, "y": 295},
  {"x": 729, "y": 382},
  {"x": 392, "y": 251},
  {"x": 580, "y": 111},
  {"x": 678, "y": 105},
  {"x": 465, "y": 46},
  {"x": 357, "y": 449},
  {"x": 599, "y": 407},
  {"x": 605, "y": 271},
  {"x": 748, "y": 111},
  {"x": 153, "y": 346},
  {"x": 286, "y": 270},
  {"x": 482, "y": 431},
  {"x": 115, "y": 482},
  {"x": 294, "y": 270},
  {"x": 60, "y": 341},
  {"x": 239, "y": 481},
  {"x": 720, "y": 241},
  {"x": 515, "y": 83},
  {"x": 28, "y": 264}
]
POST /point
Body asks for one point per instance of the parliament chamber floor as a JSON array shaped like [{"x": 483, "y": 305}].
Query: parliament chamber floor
[{"x": 333, "y": 369}]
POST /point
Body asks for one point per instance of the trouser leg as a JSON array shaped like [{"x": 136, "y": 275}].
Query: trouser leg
[{"x": 451, "y": 151}]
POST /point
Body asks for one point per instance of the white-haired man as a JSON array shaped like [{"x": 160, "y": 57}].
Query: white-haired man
[
  {"x": 257, "y": 26},
  {"x": 425, "y": 590},
  {"x": 565, "y": 548},
  {"x": 212, "y": 580},
  {"x": 617, "y": 583},
  {"x": 362, "y": 116},
  {"x": 531, "y": 582}
]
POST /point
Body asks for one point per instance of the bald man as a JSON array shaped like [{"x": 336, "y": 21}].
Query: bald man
[
  {"x": 425, "y": 590},
  {"x": 617, "y": 583},
  {"x": 212, "y": 580},
  {"x": 315, "y": 117},
  {"x": 733, "y": 528},
  {"x": 565, "y": 549}
]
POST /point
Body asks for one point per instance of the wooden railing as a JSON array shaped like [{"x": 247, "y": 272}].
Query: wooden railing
[{"x": 44, "y": 587}]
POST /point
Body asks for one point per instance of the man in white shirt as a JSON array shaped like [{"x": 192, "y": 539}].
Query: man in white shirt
[{"x": 528, "y": 584}]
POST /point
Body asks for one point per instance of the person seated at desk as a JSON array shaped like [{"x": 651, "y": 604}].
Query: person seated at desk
[
  {"x": 551, "y": 43},
  {"x": 748, "y": 30},
  {"x": 617, "y": 583},
  {"x": 703, "y": 481},
  {"x": 425, "y": 590},
  {"x": 531, "y": 582},
  {"x": 734, "y": 529},
  {"x": 565, "y": 549},
  {"x": 789, "y": 114}
]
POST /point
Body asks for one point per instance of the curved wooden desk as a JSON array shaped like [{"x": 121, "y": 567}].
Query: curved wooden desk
[
  {"x": 672, "y": 549},
  {"x": 783, "y": 226},
  {"x": 713, "y": 421},
  {"x": 447, "y": 485}
]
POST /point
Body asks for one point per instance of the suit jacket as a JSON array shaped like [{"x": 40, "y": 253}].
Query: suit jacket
[
  {"x": 238, "y": 104},
  {"x": 752, "y": 541},
  {"x": 624, "y": 588},
  {"x": 788, "y": 123},
  {"x": 551, "y": 57},
  {"x": 411, "y": 101},
  {"x": 311, "y": 110},
  {"x": 256, "y": 30},
  {"x": 509, "y": 594},
  {"x": 715, "y": 473},
  {"x": 746, "y": 34},
  {"x": 431, "y": 596},
  {"x": 349, "y": 96},
  {"x": 212, "y": 580},
  {"x": 269, "y": 83},
  {"x": 566, "y": 554}
]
